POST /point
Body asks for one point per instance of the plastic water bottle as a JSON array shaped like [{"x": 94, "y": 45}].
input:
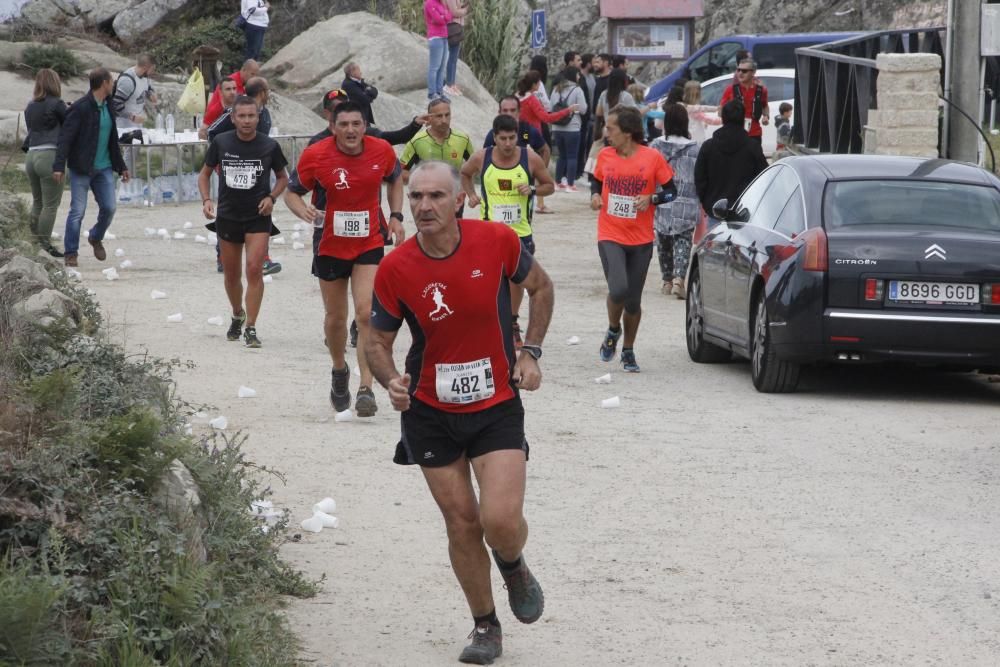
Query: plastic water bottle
[
  {"x": 159, "y": 120},
  {"x": 170, "y": 127}
]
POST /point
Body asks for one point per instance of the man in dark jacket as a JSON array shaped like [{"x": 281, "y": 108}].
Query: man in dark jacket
[
  {"x": 360, "y": 91},
  {"x": 727, "y": 161},
  {"x": 88, "y": 144}
]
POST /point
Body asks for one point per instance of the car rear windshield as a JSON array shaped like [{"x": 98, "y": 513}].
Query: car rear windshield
[{"x": 926, "y": 203}]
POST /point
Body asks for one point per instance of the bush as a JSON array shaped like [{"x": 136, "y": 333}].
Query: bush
[
  {"x": 93, "y": 571},
  {"x": 57, "y": 58},
  {"x": 172, "y": 44}
]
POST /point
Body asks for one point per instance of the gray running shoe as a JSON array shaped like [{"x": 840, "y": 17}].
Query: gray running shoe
[
  {"x": 250, "y": 337},
  {"x": 365, "y": 406},
  {"x": 236, "y": 326},
  {"x": 487, "y": 645},
  {"x": 340, "y": 393},
  {"x": 525, "y": 595}
]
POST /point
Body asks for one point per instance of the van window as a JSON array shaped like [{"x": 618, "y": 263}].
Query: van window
[
  {"x": 777, "y": 55},
  {"x": 779, "y": 87},
  {"x": 712, "y": 93},
  {"x": 720, "y": 59}
]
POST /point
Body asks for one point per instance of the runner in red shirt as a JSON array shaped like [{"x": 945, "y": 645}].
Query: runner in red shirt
[
  {"x": 459, "y": 393},
  {"x": 350, "y": 167},
  {"x": 624, "y": 189},
  {"x": 215, "y": 107},
  {"x": 746, "y": 87}
]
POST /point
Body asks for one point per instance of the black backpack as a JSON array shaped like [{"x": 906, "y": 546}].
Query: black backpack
[
  {"x": 563, "y": 103},
  {"x": 758, "y": 106}
]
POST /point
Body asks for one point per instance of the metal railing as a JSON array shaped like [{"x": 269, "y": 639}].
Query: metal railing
[{"x": 835, "y": 85}]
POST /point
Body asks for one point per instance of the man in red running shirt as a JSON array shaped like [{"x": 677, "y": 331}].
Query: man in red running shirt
[
  {"x": 351, "y": 168},
  {"x": 749, "y": 90},
  {"x": 215, "y": 107},
  {"x": 459, "y": 394}
]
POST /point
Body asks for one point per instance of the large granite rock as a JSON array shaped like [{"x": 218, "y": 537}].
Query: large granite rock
[
  {"x": 392, "y": 59},
  {"x": 130, "y": 23}
]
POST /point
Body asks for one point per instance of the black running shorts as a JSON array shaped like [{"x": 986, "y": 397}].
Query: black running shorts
[
  {"x": 528, "y": 243},
  {"x": 435, "y": 438},
  {"x": 235, "y": 231},
  {"x": 333, "y": 268}
]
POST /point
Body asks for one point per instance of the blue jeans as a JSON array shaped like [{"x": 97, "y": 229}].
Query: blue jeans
[
  {"x": 255, "y": 41},
  {"x": 568, "y": 144},
  {"x": 452, "y": 72},
  {"x": 102, "y": 183},
  {"x": 436, "y": 65}
]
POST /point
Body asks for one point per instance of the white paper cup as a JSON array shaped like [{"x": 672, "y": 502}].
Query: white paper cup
[
  {"x": 298, "y": 246},
  {"x": 157, "y": 294},
  {"x": 278, "y": 240},
  {"x": 198, "y": 238},
  {"x": 573, "y": 340},
  {"x": 119, "y": 252},
  {"x": 180, "y": 235},
  {"x": 612, "y": 402},
  {"x": 246, "y": 392},
  {"x": 344, "y": 416},
  {"x": 188, "y": 225},
  {"x": 327, "y": 505},
  {"x": 219, "y": 423},
  {"x": 216, "y": 321},
  {"x": 313, "y": 524},
  {"x": 604, "y": 379},
  {"x": 327, "y": 520},
  {"x": 126, "y": 264},
  {"x": 268, "y": 279},
  {"x": 176, "y": 317}
]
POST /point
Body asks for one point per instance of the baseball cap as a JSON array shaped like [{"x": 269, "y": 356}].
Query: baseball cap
[{"x": 334, "y": 97}]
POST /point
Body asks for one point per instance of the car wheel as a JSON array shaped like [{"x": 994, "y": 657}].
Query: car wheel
[
  {"x": 769, "y": 374},
  {"x": 699, "y": 350}
]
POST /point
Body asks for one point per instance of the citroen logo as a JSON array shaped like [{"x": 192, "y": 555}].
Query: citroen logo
[{"x": 935, "y": 251}]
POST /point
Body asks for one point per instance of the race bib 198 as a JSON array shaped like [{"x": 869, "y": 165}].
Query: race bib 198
[
  {"x": 621, "y": 206},
  {"x": 508, "y": 214},
  {"x": 464, "y": 383},
  {"x": 351, "y": 224}
]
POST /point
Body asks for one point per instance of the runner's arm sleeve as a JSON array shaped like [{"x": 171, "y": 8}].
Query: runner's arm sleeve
[
  {"x": 278, "y": 159},
  {"x": 409, "y": 157},
  {"x": 212, "y": 156},
  {"x": 596, "y": 186},
  {"x": 387, "y": 312},
  {"x": 302, "y": 179}
]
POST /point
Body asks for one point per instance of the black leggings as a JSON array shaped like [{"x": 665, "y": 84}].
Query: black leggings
[{"x": 625, "y": 268}]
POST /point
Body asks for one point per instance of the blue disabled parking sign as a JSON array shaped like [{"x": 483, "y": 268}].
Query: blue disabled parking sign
[{"x": 538, "y": 36}]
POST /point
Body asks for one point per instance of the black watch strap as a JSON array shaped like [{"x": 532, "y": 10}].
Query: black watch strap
[
  {"x": 397, "y": 215},
  {"x": 534, "y": 350}
]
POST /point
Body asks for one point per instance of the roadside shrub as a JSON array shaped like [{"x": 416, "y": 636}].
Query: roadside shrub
[
  {"x": 493, "y": 46},
  {"x": 54, "y": 57},
  {"x": 93, "y": 569},
  {"x": 172, "y": 43}
]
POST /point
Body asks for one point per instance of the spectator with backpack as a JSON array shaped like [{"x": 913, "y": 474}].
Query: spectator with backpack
[
  {"x": 132, "y": 91},
  {"x": 567, "y": 93},
  {"x": 753, "y": 95}
]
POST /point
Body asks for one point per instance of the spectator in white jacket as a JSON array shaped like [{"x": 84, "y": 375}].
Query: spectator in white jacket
[{"x": 255, "y": 13}]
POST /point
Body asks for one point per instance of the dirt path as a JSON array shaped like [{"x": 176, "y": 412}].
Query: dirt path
[{"x": 700, "y": 523}]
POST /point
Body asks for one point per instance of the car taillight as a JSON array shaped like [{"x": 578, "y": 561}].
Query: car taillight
[
  {"x": 817, "y": 255},
  {"x": 873, "y": 289},
  {"x": 991, "y": 294},
  {"x": 700, "y": 229}
]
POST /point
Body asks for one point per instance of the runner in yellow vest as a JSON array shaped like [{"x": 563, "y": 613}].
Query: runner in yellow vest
[{"x": 510, "y": 178}]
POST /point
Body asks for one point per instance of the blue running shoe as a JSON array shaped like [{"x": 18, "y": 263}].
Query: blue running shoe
[{"x": 610, "y": 344}]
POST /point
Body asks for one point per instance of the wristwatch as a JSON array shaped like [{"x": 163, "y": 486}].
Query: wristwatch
[
  {"x": 273, "y": 200},
  {"x": 534, "y": 350},
  {"x": 397, "y": 215}
]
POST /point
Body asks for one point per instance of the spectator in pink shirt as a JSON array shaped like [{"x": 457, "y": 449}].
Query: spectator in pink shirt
[{"x": 437, "y": 16}]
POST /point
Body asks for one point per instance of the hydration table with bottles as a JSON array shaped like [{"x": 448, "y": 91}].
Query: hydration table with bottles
[{"x": 166, "y": 182}]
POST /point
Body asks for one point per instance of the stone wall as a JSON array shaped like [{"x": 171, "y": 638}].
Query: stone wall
[{"x": 906, "y": 121}]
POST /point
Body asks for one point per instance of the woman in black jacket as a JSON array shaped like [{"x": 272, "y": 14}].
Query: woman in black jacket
[{"x": 44, "y": 117}]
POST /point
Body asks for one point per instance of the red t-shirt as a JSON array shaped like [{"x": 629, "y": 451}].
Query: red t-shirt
[
  {"x": 353, "y": 224},
  {"x": 458, "y": 310},
  {"x": 214, "y": 108},
  {"x": 748, "y": 96},
  {"x": 624, "y": 179}
]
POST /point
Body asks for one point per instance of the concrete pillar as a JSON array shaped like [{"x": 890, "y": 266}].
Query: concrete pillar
[
  {"x": 963, "y": 139},
  {"x": 906, "y": 121}
]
